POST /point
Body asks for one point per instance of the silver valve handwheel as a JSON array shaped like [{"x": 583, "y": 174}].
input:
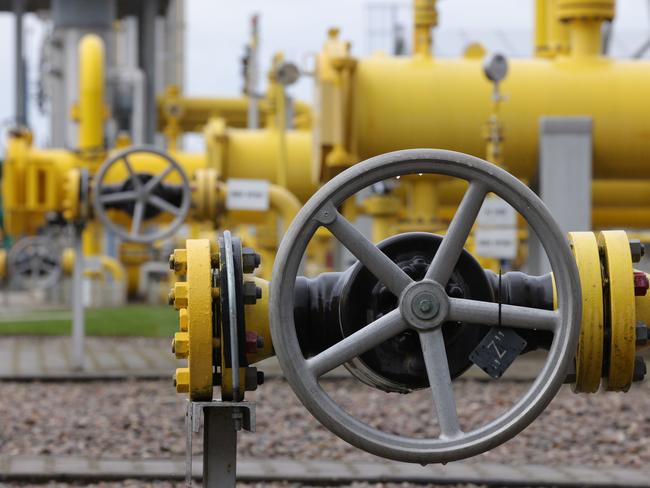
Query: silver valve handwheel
[
  {"x": 34, "y": 263},
  {"x": 424, "y": 306},
  {"x": 141, "y": 195}
]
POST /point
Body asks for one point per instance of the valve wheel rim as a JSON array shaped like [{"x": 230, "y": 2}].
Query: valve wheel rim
[
  {"x": 142, "y": 195},
  {"x": 303, "y": 373}
]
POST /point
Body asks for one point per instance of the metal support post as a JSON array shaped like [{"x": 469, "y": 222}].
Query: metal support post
[
  {"x": 20, "y": 65},
  {"x": 221, "y": 422},
  {"x": 147, "y": 28},
  {"x": 78, "y": 319}
]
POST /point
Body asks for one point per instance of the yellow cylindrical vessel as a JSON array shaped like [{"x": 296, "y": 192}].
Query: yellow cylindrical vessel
[{"x": 404, "y": 103}]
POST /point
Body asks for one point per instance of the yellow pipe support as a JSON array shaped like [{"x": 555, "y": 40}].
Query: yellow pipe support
[{"x": 91, "y": 109}]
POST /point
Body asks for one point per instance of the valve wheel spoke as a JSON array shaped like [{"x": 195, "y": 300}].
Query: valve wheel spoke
[
  {"x": 435, "y": 359},
  {"x": 356, "y": 344},
  {"x": 450, "y": 249},
  {"x": 162, "y": 204},
  {"x": 380, "y": 265},
  {"x": 138, "y": 216},
  {"x": 137, "y": 184},
  {"x": 490, "y": 313},
  {"x": 156, "y": 180},
  {"x": 123, "y": 196}
]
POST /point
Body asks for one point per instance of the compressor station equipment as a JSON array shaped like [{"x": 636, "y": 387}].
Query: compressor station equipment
[{"x": 415, "y": 311}]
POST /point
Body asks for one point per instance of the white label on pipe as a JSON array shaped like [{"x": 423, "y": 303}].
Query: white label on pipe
[{"x": 245, "y": 194}]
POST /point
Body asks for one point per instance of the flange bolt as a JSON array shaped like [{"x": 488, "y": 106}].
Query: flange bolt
[
  {"x": 250, "y": 260},
  {"x": 641, "y": 284},
  {"x": 637, "y": 249}
]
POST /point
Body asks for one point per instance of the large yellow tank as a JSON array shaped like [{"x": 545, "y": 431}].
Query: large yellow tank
[{"x": 373, "y": 105}]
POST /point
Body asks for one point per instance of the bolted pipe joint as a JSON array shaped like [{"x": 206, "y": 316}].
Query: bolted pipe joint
[{"x": 584, "y": 18}]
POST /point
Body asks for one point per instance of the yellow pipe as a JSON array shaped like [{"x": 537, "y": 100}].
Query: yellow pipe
[
  {"x": 91, "y": 93},
  {"x": 113, "y": 267},
  {"x": 425, "y": 18},
  {"x": 557, "y": 32},
  {"x": 281, "y": 201},
  {"x": 91, "y": 238},
  {"x": 541, "y": 27},
  {"x": 584, "y": 19},
  {"x": 190, "y": 114}
]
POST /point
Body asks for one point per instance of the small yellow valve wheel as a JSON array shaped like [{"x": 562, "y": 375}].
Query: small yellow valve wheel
[
  {"x": 589, "y": 355},
  {"x": 193, "y": 299},
  {"x": 620, "y": 313}
]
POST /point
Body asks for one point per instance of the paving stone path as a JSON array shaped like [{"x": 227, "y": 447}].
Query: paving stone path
[{"x": 34, "y": 468}]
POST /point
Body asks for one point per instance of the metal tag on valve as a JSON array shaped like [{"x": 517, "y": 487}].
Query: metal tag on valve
[{"x": 497, "y": 351}]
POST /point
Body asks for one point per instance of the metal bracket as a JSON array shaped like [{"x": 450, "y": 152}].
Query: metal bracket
[{"x": 221, "y": 422}]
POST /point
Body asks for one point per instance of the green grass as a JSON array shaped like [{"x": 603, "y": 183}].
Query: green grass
[{"x": 132, "y": 320}]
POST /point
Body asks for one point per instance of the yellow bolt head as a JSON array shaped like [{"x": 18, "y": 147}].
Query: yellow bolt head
[
  {"x": 180, "y": 295},
  {"x": 181, "y": 345},
  {"x": 179, "y": 259},
  {"x": 183, "y": 319},
  {"x": 182, "y": 380}
]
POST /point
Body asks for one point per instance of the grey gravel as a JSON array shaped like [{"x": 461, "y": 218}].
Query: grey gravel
[
  {"x": 145, "y": 419},
  {"x": 164, "y": 484}
]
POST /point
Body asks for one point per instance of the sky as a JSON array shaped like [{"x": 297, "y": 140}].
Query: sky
[{"x": 216, "y": 31}]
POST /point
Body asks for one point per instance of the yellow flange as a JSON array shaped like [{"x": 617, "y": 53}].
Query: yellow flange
[
  {"x": 589, "y": 355},
  {"x": 193, "y": 299},
  {"x": 620, "y": 313}
]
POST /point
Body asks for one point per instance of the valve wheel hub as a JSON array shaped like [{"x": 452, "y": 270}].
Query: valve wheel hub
[{"x": 424, "y": 305}]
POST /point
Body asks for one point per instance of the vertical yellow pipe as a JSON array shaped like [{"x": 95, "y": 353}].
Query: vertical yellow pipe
[
  {"x": 541, "y": 29},
  {"x": 425, "y": 18},
  {"x": 557, "y": 31},
  {"x": 91, "y": 239},
  {"x": 585, "y": 38},
  {"x": 91, "y": 93},
  {"x": 584, "y": 19}
]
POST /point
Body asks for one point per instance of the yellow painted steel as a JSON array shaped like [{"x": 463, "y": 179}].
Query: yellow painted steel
[
  {"x": 378, "y": 104},
  {"x": 90, "y": 111},
  {"x": 3, "y": 264},
  {"x": 178, "y": 113},
  {"x": 256, "y": 154},
  {"x": 620, "y": 317},
  {"x": 195, "y": 296},
  {"x": 589, "y": 355}
]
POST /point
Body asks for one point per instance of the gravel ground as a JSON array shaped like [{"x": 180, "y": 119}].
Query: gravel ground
[
  {"x": 163, "y": 484},
  {"x": 145, "y": 420}
]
